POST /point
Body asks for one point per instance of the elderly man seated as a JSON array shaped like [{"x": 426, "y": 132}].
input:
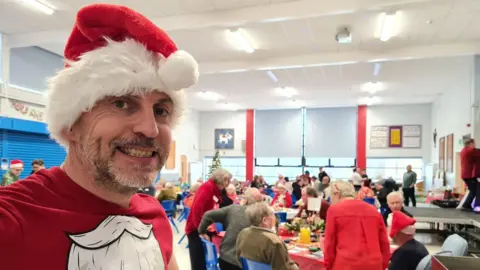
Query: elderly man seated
[
  {"x": 234, "y": 220},
  {"x": 168, "y": 193},
  {"x": 395, "y": 203},
  {"x": 409, "y": 252},
  {"x": 260, "y": 243},
  {"x": 310, "y": 192},
  {"x": 282, "y": 197}
]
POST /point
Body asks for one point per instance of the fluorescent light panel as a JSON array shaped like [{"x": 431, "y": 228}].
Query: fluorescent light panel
[
  {"x": 240, "y": 40},
  {"x": 388, "y": 26},
  {"x": 372, "y": 87},
  {"x": 208, "y": 95},
  {"x": 369, "y": 101},
  {"x": 272, "y": 76},
  {"x": 286, "y": 91},
  {"x": 40, "y": 6},
  {"x": 229, "y": 106}
]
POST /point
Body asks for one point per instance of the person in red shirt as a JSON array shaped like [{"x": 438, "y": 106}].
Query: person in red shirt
[
  {"x": 470, "y": 164},
  {"x": 355, "y": 236},
  {"x": 282, "y": 198},
  {"x": 113, "y": 108},
  {"x": 207, "y": 196}
]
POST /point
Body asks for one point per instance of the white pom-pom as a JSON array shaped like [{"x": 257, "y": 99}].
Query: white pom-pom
[{"x": 179, "y": 71}]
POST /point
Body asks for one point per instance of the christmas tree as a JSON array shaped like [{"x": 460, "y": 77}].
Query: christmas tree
[{"x": 216, "y": 164}]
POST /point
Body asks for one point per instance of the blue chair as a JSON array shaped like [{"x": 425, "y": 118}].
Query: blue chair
[
  {"x": 252, "y": 265},
  {"x": 184, "y": 215},
  {"x": 219, "y": 227},
  {"x": 281, "y": 216},
  {"x": 187, "y": 212},
  {"x": 369, "y": 200},
  {"x": 169, "y": 207},
  {"x": 294, "y": 199},
  {"x": 211, "y": 257}
]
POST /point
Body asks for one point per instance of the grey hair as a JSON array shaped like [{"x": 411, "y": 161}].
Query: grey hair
[
  {"x": 257, "y": 211},
  {"x": 219, "y": 176},
  {"x": 345, "y": 189},
  {"x": 252, "y": 195},
  {"x": 393, "y": 194},
  {"x": 194, "y": 187},
  {"x": 168, "y": 185}
]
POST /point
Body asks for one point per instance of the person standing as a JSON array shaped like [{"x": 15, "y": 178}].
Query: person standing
[
  {"x": 408, "y": 187},
  {"x": 13, "y": 175},
  {"x": 469, "y": 160},
  {"x": 322, "y": 173}
]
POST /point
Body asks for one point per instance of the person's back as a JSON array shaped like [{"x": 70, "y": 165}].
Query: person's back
[
  {"x": 167, "y": 194},
  {"x": 360, "y": 237},
  {"x": 408, "y": 256}
]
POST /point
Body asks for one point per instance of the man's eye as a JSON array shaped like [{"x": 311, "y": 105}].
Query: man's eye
[
  {"x": 120, "y": 104},
  {"x": 160, "y": 111}
]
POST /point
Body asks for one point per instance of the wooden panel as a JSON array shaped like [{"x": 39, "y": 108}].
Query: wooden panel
[
  {"x": 184, "y": 167},
  {"x": 459, "y": 184},
  {"x": 441, "y": 155},
  {"x": 170, "y": 164},
  {"x": 449, "y": 158}
]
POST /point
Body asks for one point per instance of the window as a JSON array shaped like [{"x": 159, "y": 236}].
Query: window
[
  {"x": 236, "y": 166},
  {"x": 270, "y": 174},
  {"x": 393, "y": 167},
  {"x": 342, "y": 162},
  {"x": 297, "y": 161},
  {"x": 267, "y": 161},
  {"x": 316, "y": 161}
]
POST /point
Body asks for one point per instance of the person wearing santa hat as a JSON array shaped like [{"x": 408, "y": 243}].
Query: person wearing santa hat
[
  {"x": 409, "y": 252},
  {"x": 13, "y": 175},
  {"x": 113, "y": 108}
]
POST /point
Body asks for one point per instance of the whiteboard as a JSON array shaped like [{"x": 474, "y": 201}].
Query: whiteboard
[{"x": 195, "y": 171}]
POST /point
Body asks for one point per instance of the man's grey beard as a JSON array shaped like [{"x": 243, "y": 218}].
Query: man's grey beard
[{"x": 104, "y": 172}]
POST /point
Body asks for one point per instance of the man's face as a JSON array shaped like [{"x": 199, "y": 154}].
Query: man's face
[
  {"x": 325, "y": 180},
  {"x": 281, "y": 190},
  {"x": 124, "y": 141},
  {"x": 37, "y": 167},
  {"x": 378, "y": 186},
  {"x": 16, "y": 171},
  {"x": 409, "y": 168},
  {"x": 395, "y": 203}
]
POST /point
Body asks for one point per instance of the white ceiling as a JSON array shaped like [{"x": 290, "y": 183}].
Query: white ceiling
[{"x": 295, "y": 39}]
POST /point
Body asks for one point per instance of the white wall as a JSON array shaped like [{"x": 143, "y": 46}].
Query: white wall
[
  {"x": 209, "y": 121},
  {"x": 391, "y": 115}
]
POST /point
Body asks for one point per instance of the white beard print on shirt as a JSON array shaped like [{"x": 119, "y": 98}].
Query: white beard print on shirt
[{"x": 119, "y": 242}]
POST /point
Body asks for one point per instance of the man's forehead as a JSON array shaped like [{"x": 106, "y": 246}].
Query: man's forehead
[{"x": 154, "y": 96}]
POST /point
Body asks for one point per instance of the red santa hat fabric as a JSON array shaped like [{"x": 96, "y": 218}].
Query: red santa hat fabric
[
  {"x": 16, "y": 164},
  {"x": 114, "y": 51},
  {"x": 402, "y": 223}
]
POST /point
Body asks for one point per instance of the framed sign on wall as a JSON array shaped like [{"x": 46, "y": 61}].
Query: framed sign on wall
[{"x": 395, "y": 136}]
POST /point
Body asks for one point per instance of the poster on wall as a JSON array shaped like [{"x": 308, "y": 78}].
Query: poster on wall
[
  {"x": 450, "y": 153},
  {"x": 441, "y": 154},
  {"x": 412, "y": 136},
  {"x": 395, "y": 136},
  {"x": 224, "y": 138},
  {"x": 379, "y": 137}
]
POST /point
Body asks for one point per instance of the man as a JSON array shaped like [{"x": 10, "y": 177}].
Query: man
[
  {"x": 37, "y": 165},
  {"x": 234, "y": 220},
  {"x": 395, "y": 203},
  {"x": 409, "y": 252},
  {"x": 322, "y": 173},
  {"x": 13, "y": 175},
  {"x": 260, "y": 243},
  {"x": 408, "y": 187},
  {"x": 113, "y": 108},
  {"x": 207, "y": 197},
  {"x": 357, "y": 178},
  {"x": 167, "y": 194},
  {"x": 469, "y": 159},
  {"x": 307, "y": 177},
  {"x": 309, "y": 192},
  {"x": 382, "y": 189},
  {"x": 320, "y": 186}
]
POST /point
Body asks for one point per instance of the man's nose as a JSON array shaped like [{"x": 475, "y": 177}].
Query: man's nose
[{"x": 146, "y": 124}]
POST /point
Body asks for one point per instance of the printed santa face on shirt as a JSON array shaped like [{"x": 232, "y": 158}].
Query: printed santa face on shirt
[{"x": 119, "y": 242}]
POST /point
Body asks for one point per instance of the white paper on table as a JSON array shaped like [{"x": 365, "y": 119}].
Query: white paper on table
[{"x": 314, "y": 204}]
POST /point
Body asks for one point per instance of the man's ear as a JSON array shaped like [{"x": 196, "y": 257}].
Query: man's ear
[{"x": 69, "y": 134}]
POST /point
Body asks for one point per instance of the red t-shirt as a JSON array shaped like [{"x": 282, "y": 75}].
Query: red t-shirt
[
  {"x": 47, "y": 221},
  {"x": 207, "y": 195}
]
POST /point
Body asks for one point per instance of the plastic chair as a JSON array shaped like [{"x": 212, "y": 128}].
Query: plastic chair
[
  {"x": 455, "y": 245},
  {"x": 281, "y": 216},
  {"x": 211, "y": 257},
  {"x": 169, "y": 207},
  {"x": 219, "y": 227},
  {"x": 184, "y": 215},
  {"x": 294, "y": 199},
  {"x": 369, "y": 200},
  {"x": 252, "y": 265}
]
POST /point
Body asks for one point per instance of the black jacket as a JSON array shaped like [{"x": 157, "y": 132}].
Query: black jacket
[{"x": 321, "y": 175}]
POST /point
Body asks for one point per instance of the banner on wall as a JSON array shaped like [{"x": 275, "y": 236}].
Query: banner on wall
[{"x": 23, "y": 110}]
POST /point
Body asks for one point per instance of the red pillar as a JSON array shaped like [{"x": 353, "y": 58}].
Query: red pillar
[
  {"x": 362, "y": 136},
  {"x": 249, "y": 145}
]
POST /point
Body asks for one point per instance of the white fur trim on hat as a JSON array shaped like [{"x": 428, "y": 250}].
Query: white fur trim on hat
[
  {"x": 117, "y": 69},
  {"x": 16, "y": 166},
  {"x": 409, "y": 230}
]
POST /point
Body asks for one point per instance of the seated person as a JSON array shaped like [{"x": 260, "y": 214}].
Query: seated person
[
  {"x": 260, "y": 243},
  {"x": 409, "y": 252},
  {"x": 184, "y": 186},
  {"x": 282, "y": 197},
  {"x": 382, "y": 189},
  {"x": 229, "y": 196},
  {"x": 234, "y": 220},
  {"x": 167, "y": 194},
  {"x": 365, "y": 191},
  {"x": 321, "y": 185},
  {"x": 395, "y": 203},
  {"x": 355, "y": 236},
  {"x": 188, "y": 201},
  {"x": 310, "y": 192}
]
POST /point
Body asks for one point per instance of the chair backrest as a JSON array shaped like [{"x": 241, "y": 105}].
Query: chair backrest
[
  {"x": 186, "y": 212},
  {"x": 252, "y": 265},
  {"x": 185, "y": 194},
  {"x": 219, "y": 227},
  {"x": 294, "y": 199},
  {"x": 281, "y": 216},
  {"x": 425, "y": 263},
  {"x": 456, "y": 245},
  {"x": 369, "y": 200},
  {"x": 168, "y": 205},
  {"x": 211, "y": 257}
]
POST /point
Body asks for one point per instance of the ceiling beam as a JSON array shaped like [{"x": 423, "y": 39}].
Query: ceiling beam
[
  {"x": 312, "y": 60},
  {"x": 240, "y": 16}
]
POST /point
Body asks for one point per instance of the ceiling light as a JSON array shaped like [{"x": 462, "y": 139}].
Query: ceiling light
[
  {"x": 228, "y": 106},
  {"x": 368, "y": 101},
  {"x": 388, "y": 26},
  {"x": 40, "y": 6},
  {"x": 376, "y": 69},
  {"x": 207, "y": 95},
  {"x": 272, "y": 76},
  {"x": 239, "y": 39},
  {"x": 344, "y": 36},
  {"x": 296, "y": 103},
  {"x": 286, "y": 91},
  {"x": 372, "y": 87}
]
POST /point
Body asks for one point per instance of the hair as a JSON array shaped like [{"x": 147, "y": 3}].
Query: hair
[
  {"x": 307, "y": 172},
  {"x": 286, "y": 179},
  {"x": 38, "y": 162},
  {"x": 345, "y": 189},
  {"x": 219, "y": 176},
  {"x": 393, "y": 194},
  {"x": 255, "y": 178},
  {"x": 194, "y": 187},
  {"x": 367, "y": 183},
  {"x": 311, "y": 192},
  {"x": 467, "y": 142},
  {"x": 257, "y": 211},
  {"x": 252, "y": 195},
  {"x": 168, "y": 185}
]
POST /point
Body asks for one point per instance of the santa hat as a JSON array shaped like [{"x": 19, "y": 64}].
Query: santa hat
[
  {"x": 16, "y": 164},
  {"x": 115, "y": 51},
  {"x": 402, "y": 223}
]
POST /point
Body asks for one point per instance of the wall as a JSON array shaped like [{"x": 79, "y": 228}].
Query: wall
[
  {"x": 31, "y": 66},
  {"x": 418, "y": 114},
  {"x": 209, "y": 121}
]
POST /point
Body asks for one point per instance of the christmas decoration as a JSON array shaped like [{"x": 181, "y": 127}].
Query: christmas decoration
[{"x": 216, "y": 164}]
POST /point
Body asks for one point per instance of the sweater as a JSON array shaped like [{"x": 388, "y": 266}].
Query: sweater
[
  {"x": 408, "y": 256},
  {"x": 234, "y": 220},
  {"x": 206, "y": 197}
]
